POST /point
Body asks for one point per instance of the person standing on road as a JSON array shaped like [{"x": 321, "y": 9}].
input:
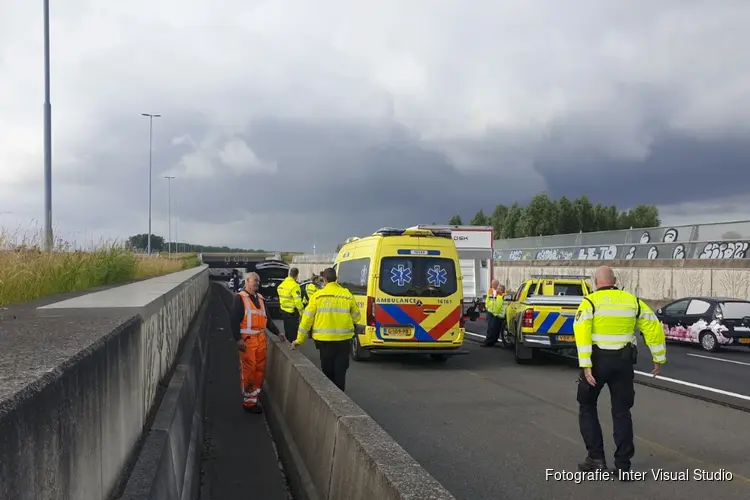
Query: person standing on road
[
  {"x": 604, "y": 329},
  {"x": 491, "y": 304},
  {"x": 290, "y": 303},
  {"x": 331, "y": 315},
  {"x": 312, "y": 288},
  {"x": 249, "y": 320}
]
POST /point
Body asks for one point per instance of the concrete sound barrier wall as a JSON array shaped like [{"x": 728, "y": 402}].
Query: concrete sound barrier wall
[
  {"x": 331, "y": 448},
  {"x": 78, "y": 379}
]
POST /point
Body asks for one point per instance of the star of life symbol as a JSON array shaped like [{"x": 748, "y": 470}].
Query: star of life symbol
[
  {"x": 437, "y": 276},
  {"x": 363, "y": 276},
  {"x": 401, "y": 275}
]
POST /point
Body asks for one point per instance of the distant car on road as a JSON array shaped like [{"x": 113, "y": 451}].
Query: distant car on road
[{"x": 712, "y": 322}]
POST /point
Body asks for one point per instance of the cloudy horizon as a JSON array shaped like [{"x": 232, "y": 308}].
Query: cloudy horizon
[{"x": 288, "y": 124}]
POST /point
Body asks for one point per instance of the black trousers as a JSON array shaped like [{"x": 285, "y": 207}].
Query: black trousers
[
  {"x": 291, "y": 324},
  {"x": 614, "y": 369},
  {"x": 494, "y": 327},
  {"x": 334, "y": 360}
]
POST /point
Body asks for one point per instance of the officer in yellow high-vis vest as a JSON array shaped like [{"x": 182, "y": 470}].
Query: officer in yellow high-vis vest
[
  {"x": 491, "y": 304},
  {"x": 312, "y": 288},
  {"x": 331, "y": 316},
  {"x": 290, "y": 303},
  {"x": 605, "y": 334}
]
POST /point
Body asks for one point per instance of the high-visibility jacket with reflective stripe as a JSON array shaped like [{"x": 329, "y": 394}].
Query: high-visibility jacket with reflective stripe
[
  {"x": 255, "y": 320},
  {"x": 330, "y": 315},
  {"x": 608, "y": 318},
  {"x": 491, "y": 301},
  {"x": 500, "y": 307},
  {"x": 311, "y": 289},
  {"x": 290, "y": 295}
]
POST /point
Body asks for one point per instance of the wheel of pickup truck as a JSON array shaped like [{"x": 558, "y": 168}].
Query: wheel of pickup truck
[
  {"x": 506, "y": 339},
  {"x": 357, "y": 351}
]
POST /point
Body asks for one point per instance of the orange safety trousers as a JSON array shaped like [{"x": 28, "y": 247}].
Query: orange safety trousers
[{"x": 253, "y": 368}]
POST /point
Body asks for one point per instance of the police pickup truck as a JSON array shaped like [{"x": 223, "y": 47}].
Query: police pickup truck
[{"x": 540, "y": 315}]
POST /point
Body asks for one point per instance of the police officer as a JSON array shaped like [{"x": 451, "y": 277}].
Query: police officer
[
  {"x": 331, "y": 315},
  {"x": 491, "y": 305},
  {"x": 290, "y": 303},
  {"x": 311, "y": 289},
  {"x": 604, "y": 328}
]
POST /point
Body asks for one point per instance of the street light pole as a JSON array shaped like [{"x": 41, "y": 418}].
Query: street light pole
[
  {"x": 150, "y": 148},
  {"x": 48, "y": 241},
  {"x": 169, "y": 182}
]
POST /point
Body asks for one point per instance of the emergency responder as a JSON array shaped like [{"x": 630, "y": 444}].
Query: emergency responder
[
  {"x": 331, "y": 316},
  {"x": 290, "y": 303},
  {"x": 490, "y": 304},
  {"x": 249, "y": 320},
  {"x": 312, "y": 288},
  {"x": 605, "y": 337}
]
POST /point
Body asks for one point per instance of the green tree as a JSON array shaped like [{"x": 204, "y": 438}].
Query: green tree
[
  {"x": 585, "y": 214},
  {"x": 565, "y": 221},
  {"x": 140, "y": 242},
  {"x": 497, "y": 219},
  {"x": 645, "y": 216},
  {"x": 511, "y": 222},
  {"x": 538, "y": 217},
  {"x": 456, "y": 221},
  {"x": 480, "y": 219}
]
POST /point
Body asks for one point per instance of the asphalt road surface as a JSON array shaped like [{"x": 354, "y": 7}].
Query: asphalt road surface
[
  {"x": 487, "y": 428},
  {"x": 727, "y": 369},
  {"x": 239, "y": 460}
]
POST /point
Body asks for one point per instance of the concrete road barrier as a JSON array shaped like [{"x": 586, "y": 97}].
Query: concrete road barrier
[
  {"x": 331, "y": 449},
  {"x": 168, "y": 465},
  {"x": 78, "y": 380}
]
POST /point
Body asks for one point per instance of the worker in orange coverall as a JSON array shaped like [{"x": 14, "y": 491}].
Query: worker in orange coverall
[{"x": 250, "y": 319}]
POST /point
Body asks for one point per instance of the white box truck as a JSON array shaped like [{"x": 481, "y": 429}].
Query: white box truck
[{"x": 475, "y": 245}]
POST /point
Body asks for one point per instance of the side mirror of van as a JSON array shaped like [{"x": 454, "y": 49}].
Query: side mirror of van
[{"x": 508, "y": 298}]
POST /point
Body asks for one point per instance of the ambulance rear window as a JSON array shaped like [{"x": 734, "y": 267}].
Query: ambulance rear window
[{"x": 418, "y": 276}]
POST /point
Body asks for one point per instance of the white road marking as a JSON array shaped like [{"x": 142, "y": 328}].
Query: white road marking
[
  {"x": 676, "y": 381},
  {"x": 695, "y": 386},
  {"x": 718, "y": 359}
]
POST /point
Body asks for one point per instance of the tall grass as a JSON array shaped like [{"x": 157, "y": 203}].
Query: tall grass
[{"x": 28, "y": 273}]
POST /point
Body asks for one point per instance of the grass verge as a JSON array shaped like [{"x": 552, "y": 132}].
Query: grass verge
[{"x": 27, "y": 273}]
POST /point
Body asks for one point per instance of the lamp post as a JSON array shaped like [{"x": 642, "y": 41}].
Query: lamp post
[
  {"x": 169, "y": 181},
  {"x": 48, "y": 241},
  {"x": 150, "y": 148}
]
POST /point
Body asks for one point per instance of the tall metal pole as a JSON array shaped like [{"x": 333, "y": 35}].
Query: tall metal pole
[
  {"x": 169, "y": 182},
  {"x": 150, "y": 148},
  {"x": 48, "y": 241}
]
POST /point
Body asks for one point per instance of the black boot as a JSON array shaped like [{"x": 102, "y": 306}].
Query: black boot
[
  {"x": 590, "y": 465},
  {"x": 257, "y": 410}
]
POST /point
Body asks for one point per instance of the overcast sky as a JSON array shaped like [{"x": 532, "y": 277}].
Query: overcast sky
[{"x": 291, "y": 122}]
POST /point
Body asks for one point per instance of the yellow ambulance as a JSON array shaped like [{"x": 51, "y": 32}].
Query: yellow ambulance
[{"x": 408, "y": 287}]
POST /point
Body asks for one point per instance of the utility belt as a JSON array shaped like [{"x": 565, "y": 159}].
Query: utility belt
[{"x": 628, "y": 353}]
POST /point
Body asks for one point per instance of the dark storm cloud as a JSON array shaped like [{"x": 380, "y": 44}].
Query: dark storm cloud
[{"x": 678, "y": 169}]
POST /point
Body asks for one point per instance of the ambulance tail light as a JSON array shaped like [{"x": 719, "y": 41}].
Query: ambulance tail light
[
  {"x": 370, "y": 311},
  {"x": 528, "y": 318}
]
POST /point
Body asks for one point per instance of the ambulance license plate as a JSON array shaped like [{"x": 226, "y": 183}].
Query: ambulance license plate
[
  {"x": 744, "y": 341},
  {"x": 566, "y": 338},
  {"x": 398, "y": 332}
]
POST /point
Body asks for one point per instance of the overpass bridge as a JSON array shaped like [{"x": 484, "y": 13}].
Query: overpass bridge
[{"x": 131, "y": 392}]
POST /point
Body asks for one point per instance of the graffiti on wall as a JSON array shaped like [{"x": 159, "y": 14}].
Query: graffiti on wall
[{"x": 724, "y": 250}]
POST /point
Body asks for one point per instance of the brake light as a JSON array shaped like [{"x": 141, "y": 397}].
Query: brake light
[
  {"x": 370, "y": 311},
  {"x": 528, "y": 318}
]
